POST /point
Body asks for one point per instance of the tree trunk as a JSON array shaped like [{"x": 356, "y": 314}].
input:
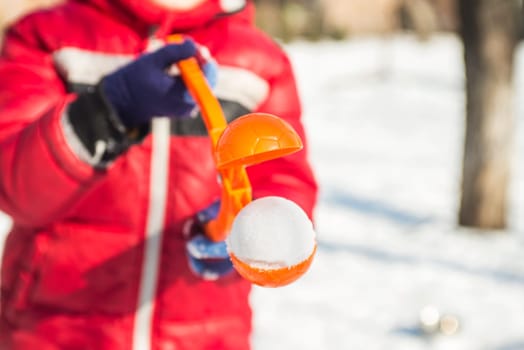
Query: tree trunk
[{"x": 489, "y": 33}]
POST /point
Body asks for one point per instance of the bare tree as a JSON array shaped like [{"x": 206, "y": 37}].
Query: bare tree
[{"x": 489, "y": 32}]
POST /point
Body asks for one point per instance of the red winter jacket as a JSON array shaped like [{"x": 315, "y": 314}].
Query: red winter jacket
[{"x": 96, "y": 257}]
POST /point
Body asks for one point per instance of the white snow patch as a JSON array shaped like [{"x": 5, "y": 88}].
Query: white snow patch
[{"x": 271, "y": 232}]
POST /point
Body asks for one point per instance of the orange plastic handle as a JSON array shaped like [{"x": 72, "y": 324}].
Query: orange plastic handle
[
  {"x": 210, "y": 108},
  {"x": 236, "y": 188}
]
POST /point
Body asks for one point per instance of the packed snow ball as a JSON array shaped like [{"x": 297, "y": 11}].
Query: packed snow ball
[{"x": 271, "y": 233}]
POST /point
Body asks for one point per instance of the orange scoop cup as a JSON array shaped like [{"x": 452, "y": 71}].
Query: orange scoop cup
[
  {"x": 276, "y": 277},
  {"x": 255, "y": 138}
]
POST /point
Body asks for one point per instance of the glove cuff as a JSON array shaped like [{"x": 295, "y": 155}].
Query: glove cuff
[{"x": 95, "y": 122}]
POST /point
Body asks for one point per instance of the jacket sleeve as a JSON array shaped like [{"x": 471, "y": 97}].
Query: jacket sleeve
[
  {"x": 40, "y": 176},
  {"x": 291, "y": 176}
]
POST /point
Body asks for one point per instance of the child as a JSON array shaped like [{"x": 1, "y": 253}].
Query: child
[{"x": 100, "y": 190}]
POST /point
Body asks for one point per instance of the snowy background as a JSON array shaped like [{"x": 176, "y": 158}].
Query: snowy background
[
  {"x": 385, "y": 124},
  {"x": 385, "y": 121}
]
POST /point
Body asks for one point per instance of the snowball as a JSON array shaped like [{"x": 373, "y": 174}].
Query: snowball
[{"x": 270, "y": 233}]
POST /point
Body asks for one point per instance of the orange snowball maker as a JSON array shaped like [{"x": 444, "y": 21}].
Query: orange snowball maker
[{"x": 249, "y": 139}]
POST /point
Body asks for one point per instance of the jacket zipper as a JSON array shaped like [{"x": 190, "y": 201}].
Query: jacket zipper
[{"x": 144, "y": 317}]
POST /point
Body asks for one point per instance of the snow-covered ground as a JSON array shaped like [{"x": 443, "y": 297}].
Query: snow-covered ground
[{"x": 385, "y": 123}]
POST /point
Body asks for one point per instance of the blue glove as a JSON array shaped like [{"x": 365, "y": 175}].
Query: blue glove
[
  {"x": 144, "y": 89},
  {"x": 207, "y": 259}
]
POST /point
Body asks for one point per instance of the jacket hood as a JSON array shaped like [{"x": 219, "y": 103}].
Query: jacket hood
[{"x": 149, "y": 14}]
